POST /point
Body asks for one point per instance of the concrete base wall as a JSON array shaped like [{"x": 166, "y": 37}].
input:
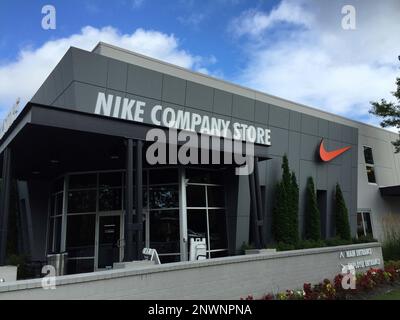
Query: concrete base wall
[{"x": 222, "y": 278}]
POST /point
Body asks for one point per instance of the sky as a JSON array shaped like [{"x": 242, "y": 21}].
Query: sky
[{"x": 299, "y": 50}]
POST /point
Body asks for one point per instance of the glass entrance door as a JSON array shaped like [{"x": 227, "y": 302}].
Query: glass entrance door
[{"x": 109, "y": 235}]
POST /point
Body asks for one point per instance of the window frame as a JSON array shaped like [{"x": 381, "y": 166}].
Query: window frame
[
  {"x": 370, "y": 165},
  {"x": 362, "y": 212}
]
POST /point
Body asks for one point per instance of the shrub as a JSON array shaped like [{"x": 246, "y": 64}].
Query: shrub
[
  {"x": 312, "y": 216},
  {"x": 308, "y": 244},
  {"x": 282, "y": 246},
  {"x": 246, "y": 246},
  {"x": 285, "y": 212},
  {"x": 364, "y": 239},
  {"x": 341, "y": 216},
  {"x": 294, "y": 208},
  {"x": 391, "y": 247},
  {"x": 337, "y": 241}
]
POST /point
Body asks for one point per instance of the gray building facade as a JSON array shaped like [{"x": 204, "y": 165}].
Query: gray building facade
[{"x": 59, "y": 136}]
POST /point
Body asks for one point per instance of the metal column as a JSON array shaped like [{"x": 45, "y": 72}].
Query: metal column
[
  {"x": 139, "y": 199},
  {"x": 128, "y": 249},
  {"x": 256, "y": 206},
  {"x": 259, "y": 202},
  {"x": 5, "y": 204},
  {"x": 253, "y": 210}
]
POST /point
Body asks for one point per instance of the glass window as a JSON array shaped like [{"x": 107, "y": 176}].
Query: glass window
[
  {"x": 215, "y": 196},
  {"x": 217, "y": 223},
  {"x": 164, "y": 197},
  {"x": 164, "y": 231},
  {"x": 219, "y": 254},
  {"x": 82, "y": 201},
  {"x": 160, "y": 176},
  {"x": 371, "y": 174},
  {"x": 52, "y": 205},
  {"x": 204, "y": 176},
  {"x": 367, "y": 223},
  {"x": 59, "y": 203},
  {"x": 196, "y": 196},
  {"x": 360, "y": 225},
  {"x": 369, "y": 159},
  {"x": 110, "y": 179},
  {"x": 197, "y": 223},
  {"x": 364, "y": 226},
  {"x": 80, "y": 235},
  {"x": 50, "y": 236},
  {"x": 80, "y": 266},
  {"x": 58, "y": 185},
  {"x": 57, "y": 234},
  {"x": 78, "y": 181},
  {"x": 110, "y": 199}
]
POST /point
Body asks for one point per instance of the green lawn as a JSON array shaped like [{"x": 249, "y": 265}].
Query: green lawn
[{"x": 391, "y": 295}]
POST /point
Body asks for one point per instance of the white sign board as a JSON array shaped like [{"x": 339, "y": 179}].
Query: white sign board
[{"x": 151, "y": 254}]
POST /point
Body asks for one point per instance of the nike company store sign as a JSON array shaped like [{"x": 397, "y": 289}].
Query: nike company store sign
[{"x": 159, "y": 115}]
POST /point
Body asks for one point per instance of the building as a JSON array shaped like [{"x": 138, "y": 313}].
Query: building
[{"x": 74, "y": 147}]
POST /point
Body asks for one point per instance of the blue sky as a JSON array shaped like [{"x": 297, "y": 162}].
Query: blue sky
[
  {"x": 200, "y": 26},
  {"x": 295, "y": 49}
]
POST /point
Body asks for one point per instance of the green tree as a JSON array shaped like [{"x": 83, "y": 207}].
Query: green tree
[
  {"x": 312, "y": 216},
  {"x": 294, "y": 203},
  {"x": 341, "y": 216},
  {"x": 390, "y": 112},
  {"x": 285, "y": 213}
]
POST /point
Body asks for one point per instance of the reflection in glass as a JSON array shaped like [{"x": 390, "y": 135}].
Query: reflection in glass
[
  {"x": 204, "y": 176},
  {"x": 59, "y": 203},
  {"x": 80, "y": 266},
  {"x": 50, "y": 236},
  {"x": 197, "y": 223},
  {"x": 360, "y": 226},
  {"x": 196, "y": 196},
  {"x": 57, "y": 234},
  {"x": 217, "y": 224},
  {"x": 109, "y": 236},
  {"x": 161, "y": 176},
  {"x": 81, "y": 235},
  {"x": 110, "y": 199},
  {"x": 369, "y": 159},
  {"x": 215, "y": 196},
  {"x": 164, "y": 231},
  {"x": 82, "y": 201},
  {"x": 58, "y": 185},
  {"x": 368, "y": 225},
  {"x": 371, "y": 174},
  {"x": 110, "y": 179},
  {"x": 164, "y": 197},
  {"x": 78, "y": 181}
]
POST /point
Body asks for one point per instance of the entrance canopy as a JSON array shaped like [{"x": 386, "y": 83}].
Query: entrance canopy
[
  {"x": 49, "y": 141},
  {"x": 390, "y": 191}
]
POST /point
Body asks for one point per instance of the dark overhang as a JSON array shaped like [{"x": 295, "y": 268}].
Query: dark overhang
[
  {"x": 390, "y": 191},
  {"x": 52, "y": 140}
]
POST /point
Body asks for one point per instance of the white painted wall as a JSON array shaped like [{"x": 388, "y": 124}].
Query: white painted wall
[{"x": 221, "y": 278}]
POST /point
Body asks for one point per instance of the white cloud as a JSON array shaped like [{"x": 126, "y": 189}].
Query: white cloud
[
  {"x": 22, "y": 77},
  {"x": 253, "y": 22},
  {"x": 318, "y": 63}
]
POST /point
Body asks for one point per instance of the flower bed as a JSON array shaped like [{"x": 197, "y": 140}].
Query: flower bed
[{"x": 333, "y": 290}]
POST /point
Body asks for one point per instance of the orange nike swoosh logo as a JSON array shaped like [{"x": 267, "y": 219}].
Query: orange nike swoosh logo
[{"x": 329, "y": 155}]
